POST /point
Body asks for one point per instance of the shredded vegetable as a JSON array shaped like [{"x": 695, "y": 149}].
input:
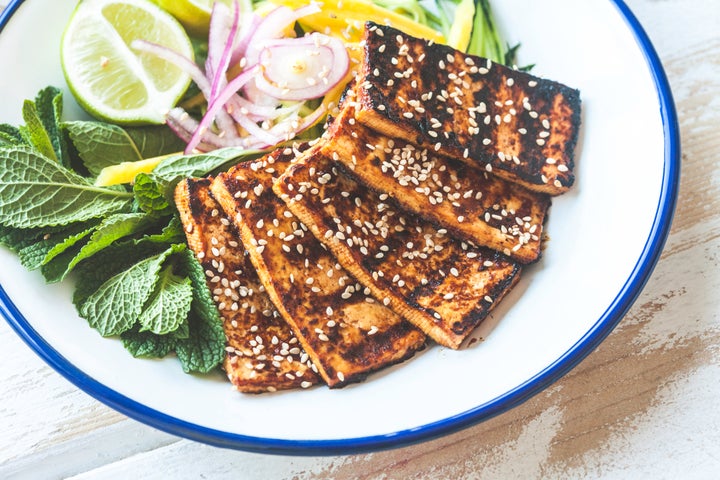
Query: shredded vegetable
[
  {"x": 346, "y": 19},
  {"x": 258, "y": 79}
]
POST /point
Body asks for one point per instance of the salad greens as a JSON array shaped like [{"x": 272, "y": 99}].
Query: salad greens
[{"x": 124, "y": 245}]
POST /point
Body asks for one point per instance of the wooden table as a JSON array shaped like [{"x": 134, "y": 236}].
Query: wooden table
[{"x": 644, "y": 405}]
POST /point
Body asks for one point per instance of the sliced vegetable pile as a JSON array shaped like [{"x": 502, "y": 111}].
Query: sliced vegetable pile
[{"x": 264, "y": 104}]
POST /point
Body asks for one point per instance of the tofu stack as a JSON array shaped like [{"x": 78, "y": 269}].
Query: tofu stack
[{"x": 408, "y": 221}]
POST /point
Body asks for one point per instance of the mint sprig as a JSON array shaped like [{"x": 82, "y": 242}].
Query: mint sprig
[
  {"x": 134, "y": 276},
  {"x": 36, "y": 191}
]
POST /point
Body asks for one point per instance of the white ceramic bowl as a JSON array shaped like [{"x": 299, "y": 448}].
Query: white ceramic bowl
[{"x": 606, "y": 236}]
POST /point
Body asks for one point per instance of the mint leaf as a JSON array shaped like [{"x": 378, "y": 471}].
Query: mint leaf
[
  {"x": 36, "y": 192},
  {"x": 50, "y": 245},
  {"x": 155, "y": 140},
  {"x": 32, "y": 256},
  {"x": 10, "y": 135},
  {"x": 18, "y": 238},
  {"x": 115, "y": 306},
  {"x": 203, "y": 302},
  {"x": 35, "y": 133},
  {"x": 175, "y": 168},
  {"x": 100, "y": 145},
  {"x": 169, "y": 305},
  {"x": 111, "y": 229},
  {"x": 68, "y": 238},
  {"x": 48, "y": 103},
  {"x": 147, "y": 344},
  {"x": 172, "y": 233},
  {"x": 182, "y": 331},
  {"x": 58, "y": 268},
  {"x": 150, "y": 195},
  {"x": 204, "y": 349},
  {"x": 99, "y": 268}
]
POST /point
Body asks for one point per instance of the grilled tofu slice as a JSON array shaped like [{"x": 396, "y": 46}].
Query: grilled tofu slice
[
  {"x": 263, "y": 353},
  {"x": 469, "y": 202},
  {"x": 520, "y": 127},
  {"x": 346, "y": 333},
  {"x": 443, "y": 286}
]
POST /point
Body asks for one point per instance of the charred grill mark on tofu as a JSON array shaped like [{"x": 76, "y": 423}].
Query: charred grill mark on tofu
[
  {"x": 263, "y": 353},
  {"x": 444, "y": 286},
  {"x": 469, "y": 202},
  {"x": 346, "y": 333},
  {"x": 518, "y": 126}
]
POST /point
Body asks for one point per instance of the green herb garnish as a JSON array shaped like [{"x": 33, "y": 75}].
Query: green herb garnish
[{"x": 123, "y": 245}]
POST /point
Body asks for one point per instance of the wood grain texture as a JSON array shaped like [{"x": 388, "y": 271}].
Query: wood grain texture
[{"x": 643, "y": 405}]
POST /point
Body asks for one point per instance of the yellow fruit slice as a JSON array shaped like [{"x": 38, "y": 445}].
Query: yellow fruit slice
[
  {"x": 345, "y": 19},
  {"x": 108, "y": 78},
  {"x": 125, "y": 172}
]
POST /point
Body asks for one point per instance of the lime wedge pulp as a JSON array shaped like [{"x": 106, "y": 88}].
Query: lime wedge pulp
[{"x": 107, "y": 77}]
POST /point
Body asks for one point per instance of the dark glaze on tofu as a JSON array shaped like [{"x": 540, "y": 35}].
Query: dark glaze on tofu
[
  {"x": 513, "y": 124},
  {"x": 471, "y": 203},
  {"x": 263, "y": 353},
  {"x": 346, "y": 333},
  {"x": 444, "y": 286}
]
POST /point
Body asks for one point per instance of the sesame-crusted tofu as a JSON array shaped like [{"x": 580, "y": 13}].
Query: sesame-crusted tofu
[
  {"x": 263, "y": 353},
  {"x": 469, "y": 202},
  {"x": 346, "y": 333},
  {"x": 521, "y": 127},
  {"x": 444, "y": 286}
]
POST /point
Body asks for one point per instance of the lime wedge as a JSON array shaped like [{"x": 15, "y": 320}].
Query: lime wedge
[{"x": 107, "y": 77}]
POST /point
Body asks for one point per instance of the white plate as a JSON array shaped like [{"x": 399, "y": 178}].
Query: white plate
[{"x": 606, "y": 236}]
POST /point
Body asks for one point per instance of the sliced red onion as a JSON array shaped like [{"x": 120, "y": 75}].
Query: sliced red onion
[
  {"x": 249, "y": 23},
  {"x": 185, "y": 126},
  {"x": 302, "y": 68},
  {"x": 182, "y": 62},
  {"x": 274, "y": 70},
  {"x": 272, "y": 26},
  {"x": 224, "y": 25},
  {"x": 188, "y": 66},
  {"x": 253, "y": 128},
  {"x": 217, "y": 105},
  {"x": 260, "y": 113},
  {"x": 290, "y": 127}
]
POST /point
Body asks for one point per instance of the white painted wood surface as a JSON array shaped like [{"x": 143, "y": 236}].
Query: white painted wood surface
[{"x": 644, "y": 405}]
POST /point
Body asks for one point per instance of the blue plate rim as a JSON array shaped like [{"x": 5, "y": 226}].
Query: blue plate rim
[{"x": 583, "y": 347}]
